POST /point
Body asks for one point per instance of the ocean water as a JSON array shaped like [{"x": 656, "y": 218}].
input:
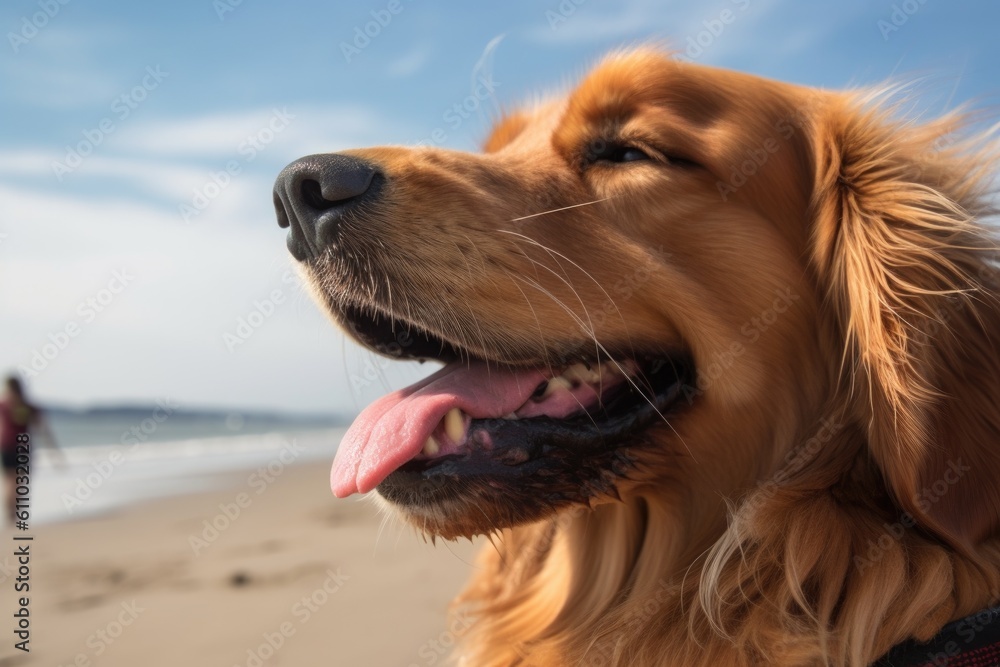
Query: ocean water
[
  {"x": 126, "y": 425},
  {"x": 95, "y": 472}
]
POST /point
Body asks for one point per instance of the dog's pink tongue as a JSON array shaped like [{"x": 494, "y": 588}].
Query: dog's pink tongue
[{"x": 393, "y": 429}]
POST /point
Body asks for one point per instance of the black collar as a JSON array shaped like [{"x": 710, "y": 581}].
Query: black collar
[{"x": 973, "y": 641}]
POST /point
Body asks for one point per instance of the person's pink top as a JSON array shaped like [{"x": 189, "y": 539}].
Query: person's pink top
[{"x": 13, "y": 421}]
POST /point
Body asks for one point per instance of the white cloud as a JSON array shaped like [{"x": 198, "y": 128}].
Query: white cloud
[
  {"x": 163, "y": 334},
  {"x": 233, "y": 134},
  {"x": 170, "y": 160},
  {"x": 174, "y": 181},
  {"x": 27, "y": 162}
]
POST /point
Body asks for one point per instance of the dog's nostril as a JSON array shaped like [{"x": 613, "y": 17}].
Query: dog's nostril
[
  {"x": 312, "y": 195},
  {"x": 279, "y": 210}
]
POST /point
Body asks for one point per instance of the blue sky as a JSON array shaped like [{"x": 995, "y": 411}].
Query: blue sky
[{"x": 140, "y": 142}]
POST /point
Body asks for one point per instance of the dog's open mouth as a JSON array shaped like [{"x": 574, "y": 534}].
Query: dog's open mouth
[{"x": 477, "y": 420}]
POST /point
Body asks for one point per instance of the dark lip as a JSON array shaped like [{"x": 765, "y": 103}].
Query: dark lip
[
  {"x": 404, "y": 340},
  {"x": 566, "y": 459},
  {"x": 393, "y": 337}
]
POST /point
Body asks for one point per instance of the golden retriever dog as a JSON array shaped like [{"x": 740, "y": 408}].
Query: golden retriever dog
[{"x": 721, "y": 365}]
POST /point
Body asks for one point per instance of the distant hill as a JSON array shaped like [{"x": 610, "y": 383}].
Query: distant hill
[
  {"x": 142, "y": 411},
  {"x": 130, "y": 423}
]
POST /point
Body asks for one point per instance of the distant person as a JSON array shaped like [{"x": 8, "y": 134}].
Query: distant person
[{"x": 17, "y": 416}]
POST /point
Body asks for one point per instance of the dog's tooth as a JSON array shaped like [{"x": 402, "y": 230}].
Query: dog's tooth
[
  {"x": 576, "y": 372},
  {"x": 454, "y": 425},
  {"x": 510, "y": 415},
  {"x": 610, "y": 368},
  {"x": 580, "y": 373},
  {"x": 555, "y": 384},
  {"x": 431, "y": 447}
]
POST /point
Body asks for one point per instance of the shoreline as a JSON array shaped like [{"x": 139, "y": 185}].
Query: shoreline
[
  {"x": 247, "y": 574},
  {"x": 89, "y": 480}
]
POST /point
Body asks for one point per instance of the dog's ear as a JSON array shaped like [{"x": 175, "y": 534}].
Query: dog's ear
[{"x": 909, "y": 270}]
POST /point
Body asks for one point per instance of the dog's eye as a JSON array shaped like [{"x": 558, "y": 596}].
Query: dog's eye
[
  {"x": 608, "y": 152},
  {"x": 627, "y": 154}
]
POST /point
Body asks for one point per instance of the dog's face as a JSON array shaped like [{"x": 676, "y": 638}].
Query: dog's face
[
  {"x": 669, "y": 285},
  {"x": 617, "y": 287}
]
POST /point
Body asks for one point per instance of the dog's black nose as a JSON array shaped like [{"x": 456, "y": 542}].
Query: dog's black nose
[{"x": 312, "y": 195}]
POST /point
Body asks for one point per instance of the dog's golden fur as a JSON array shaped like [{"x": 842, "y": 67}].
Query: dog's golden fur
[{"x": 829, "y": 487}]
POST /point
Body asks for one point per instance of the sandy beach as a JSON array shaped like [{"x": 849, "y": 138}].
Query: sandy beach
[{"x": 295, "y": 578}]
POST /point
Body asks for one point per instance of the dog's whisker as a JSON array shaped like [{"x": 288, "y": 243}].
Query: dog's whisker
[
  {"x": 564, "y": 208},
  {"x": 582, "y": 326},
  {"x": 534, "y": 314},
  {"x": 621, "y": 369},
  {"x": 555, "y": 253},
  {"x": 569, "y": 286}
]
